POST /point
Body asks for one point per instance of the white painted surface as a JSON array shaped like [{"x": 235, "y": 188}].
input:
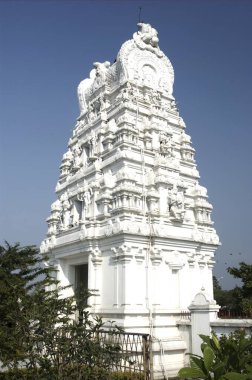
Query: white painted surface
[{"x": 129, "y": 202}]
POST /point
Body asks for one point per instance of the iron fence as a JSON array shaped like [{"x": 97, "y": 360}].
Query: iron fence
[
  {"x": 131, "y": 352},
  {"x": 233, "y": 314}
]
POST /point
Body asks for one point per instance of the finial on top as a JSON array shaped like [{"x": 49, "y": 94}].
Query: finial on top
[
  {"x": 139, "y": 14},
  {"x": 148, "y": 34}
]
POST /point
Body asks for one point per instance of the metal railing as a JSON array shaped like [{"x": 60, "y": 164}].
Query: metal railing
[
  {"x": 233, "y": 314},
  {"x": 131, "y": 352}
]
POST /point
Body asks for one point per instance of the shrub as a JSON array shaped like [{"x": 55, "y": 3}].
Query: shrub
[
  {"x": 226, "y": 358},
  {"x": 85, "y": 374}
]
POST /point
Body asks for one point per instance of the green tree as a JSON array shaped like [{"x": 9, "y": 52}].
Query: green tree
[
  {"x": 227, "y": 299},
  {"x": 216, "y": 284},
  {"x": 20, "y": 270},
  {"x": 37, "y": 325},
  {"x": 244, "y": 272}
]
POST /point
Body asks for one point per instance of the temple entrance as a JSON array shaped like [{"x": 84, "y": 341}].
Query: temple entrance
[{"x": 81, "y": 276}]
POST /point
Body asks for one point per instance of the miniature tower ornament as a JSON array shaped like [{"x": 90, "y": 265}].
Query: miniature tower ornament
[{"x": 130, "y": 215}]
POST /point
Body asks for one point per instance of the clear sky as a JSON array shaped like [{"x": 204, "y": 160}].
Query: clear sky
[{"x": 48, "y": 47}]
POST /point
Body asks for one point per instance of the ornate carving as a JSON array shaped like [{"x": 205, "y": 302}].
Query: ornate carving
[
  {"x": 77, "y": 160},
  {"x": 166, "y": 145},
  {"x": 96, "y": 256},
  {"x": 141, "y": 61},
  {"x": 122, "y": 253},
  {"x": 175, "y": 261},
  {"x": 97, "y": 78},
  {"x": 148, "y": 34},
  {"x": 65, "y": 211},
  {"x": 85, "y": 198},
  {"x": 176, "y": 205},
  {"x": 129, "y": 156}
]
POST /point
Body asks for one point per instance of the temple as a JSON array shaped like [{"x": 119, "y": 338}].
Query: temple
[{"x": 131, "y": 219}]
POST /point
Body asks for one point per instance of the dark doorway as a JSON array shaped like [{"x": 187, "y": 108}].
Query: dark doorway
[{"x": 81, "y": 276}]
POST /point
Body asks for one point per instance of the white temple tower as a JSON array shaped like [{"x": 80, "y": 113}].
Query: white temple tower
[{"x": 131, "y": 219}]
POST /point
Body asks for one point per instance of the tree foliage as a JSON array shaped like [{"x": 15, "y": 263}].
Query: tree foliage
[
  {"x": 37, "y": 328},
  {"x": 239, "y": 299},
  {"x": 226, "y": 358},
  {"x": 227, "y": 299},
  {"x": 20, "y": 296},
  {"x": 244, "y": 272}
]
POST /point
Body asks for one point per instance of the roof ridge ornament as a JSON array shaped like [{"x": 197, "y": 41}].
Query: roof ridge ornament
[
  {"x": 148, "y": 34},
  {"x": 147, "y": 38}
]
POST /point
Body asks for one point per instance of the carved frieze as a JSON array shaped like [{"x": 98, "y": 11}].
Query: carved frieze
[{"x": 129, "y": 154}]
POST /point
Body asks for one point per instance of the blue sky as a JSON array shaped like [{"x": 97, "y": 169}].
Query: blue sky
[{"x": 48, "y": 47}]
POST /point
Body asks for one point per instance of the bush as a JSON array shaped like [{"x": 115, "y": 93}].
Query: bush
[
  {"x": 85, "y": 374},
  {"x": 37, "y": 330},
  {"x": 226, "y": 358}
]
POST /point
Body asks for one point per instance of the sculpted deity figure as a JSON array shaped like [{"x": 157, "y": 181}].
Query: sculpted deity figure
[
  {"x": 166, "y": 147},
  {"x": 65, "y": 211},
  {"x": 92, "y": 113},
  {"x": 148, "y": 34},
  {"x": 176, "y": 204},
  {"x": 98, "y": 163},
  {"x": 104, "y": 103},
  {"x": 93, "y": 145},
  {"x": 85, "y": 198},
  {"x": 74, "y": 216},
  {"x": 156, "y": 98},
  {"x": 128, "y": 92},
  {"x": 100, "y": 73},
  {"x": 77, "y": 162},
  {"x": 96, "y": 79}
]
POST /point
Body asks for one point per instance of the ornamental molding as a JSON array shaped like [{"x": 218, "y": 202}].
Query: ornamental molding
[
  {"x": 122, "y": 254},
  {"x": 96, "y": 256},
  {"x": 129, "y": 156},
  {"x": 174, "y": 260},
  {"x": 136, "y": 57}
]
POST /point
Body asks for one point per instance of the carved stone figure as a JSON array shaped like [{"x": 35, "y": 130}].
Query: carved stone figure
[
  {"x": 100, "y": 73},
  {"x": 77, "y": 161},
  {"x": 101, "y": 68},
  {"x": 93, "y": 145},
  {"x": 74, "y": 215},
  {"x": 98, "y": 163},
  {"x": 156, "y": 98},
  {"x": 91, "y": 113},
  {"x": 176, "y": 205},
  {"x": 148, "y": 34},
  {"x": 65, "y": 211},
  {"x": 166, "y": 146},
  {"x": 127, "y": 93},
  {"x": 104, "y": 103},
  {"x": 85, "y": 198}
]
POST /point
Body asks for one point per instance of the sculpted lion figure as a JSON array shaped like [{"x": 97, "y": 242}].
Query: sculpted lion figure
[{"x": 148, "y": 34}]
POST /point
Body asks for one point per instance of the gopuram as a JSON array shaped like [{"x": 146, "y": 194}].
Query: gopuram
[{"x": 131, "y": 219}]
